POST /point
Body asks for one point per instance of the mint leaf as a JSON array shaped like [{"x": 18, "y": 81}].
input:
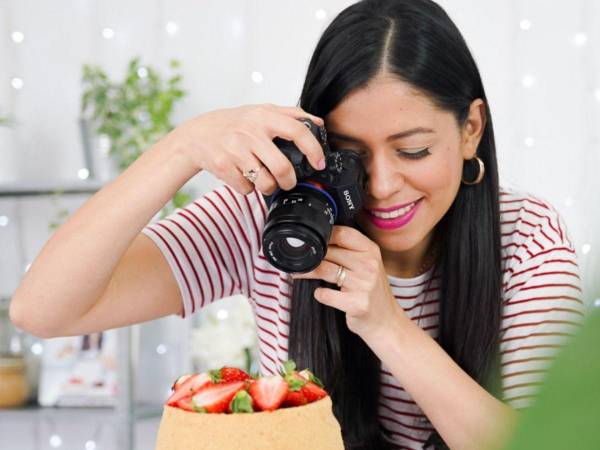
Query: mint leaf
[
  {"x": 241, "y": 403},
  {"x": 215, "y": 375},
  {"x": 289, "y": 366}
]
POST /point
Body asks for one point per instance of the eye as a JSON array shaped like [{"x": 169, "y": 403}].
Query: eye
[{"x": 414, "y": 155}]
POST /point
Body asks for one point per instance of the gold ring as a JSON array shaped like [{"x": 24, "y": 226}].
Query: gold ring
[
  {"x": 252, "y": 174},
  {"x": 340, "y": 276}
]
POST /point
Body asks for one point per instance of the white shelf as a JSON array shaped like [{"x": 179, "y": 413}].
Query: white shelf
[
  {"x": 69, "y": 414},
  {"x": 19, "y": 189}
]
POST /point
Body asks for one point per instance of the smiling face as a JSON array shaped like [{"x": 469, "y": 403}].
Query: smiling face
[{"x": 412, "y": 151}]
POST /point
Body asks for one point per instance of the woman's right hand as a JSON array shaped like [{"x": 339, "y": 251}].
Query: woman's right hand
[{"x": 228, "y": 142}]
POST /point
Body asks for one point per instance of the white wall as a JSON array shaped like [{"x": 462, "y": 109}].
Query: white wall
[{"x": 220, "y": 43}]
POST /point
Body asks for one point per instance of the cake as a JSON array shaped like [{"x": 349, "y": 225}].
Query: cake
[{"x": 229, "y": 409}]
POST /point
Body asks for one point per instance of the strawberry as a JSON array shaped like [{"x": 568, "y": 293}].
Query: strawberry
[
  {"x": 312, "y": 392},
  {"x": 215, "y": 397},
  {"x": 295, "y": 398},
  {"x": 188, "y": 387},
  {"x": 301, "y": 391},
  {"x": 228, "y": 374},
  {"x": 186, "y": 404},
  {"x": 310, "y": 377},
  {"x": 269, "y": 392},
  {"x": 179, "y": 381}
]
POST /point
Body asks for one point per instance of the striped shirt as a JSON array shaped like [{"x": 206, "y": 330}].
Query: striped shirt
[{"x": 214, "y": 248}]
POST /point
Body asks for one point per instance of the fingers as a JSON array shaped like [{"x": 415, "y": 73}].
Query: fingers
[
  {"x": 351, "y": 238},
  {"x": 264, "y": 182},
  {"x": 299, "y": 113},
  {"x": 335, "y": 299},
  {"x": 281, "y": 172},
  {"x": 328, "y": 271},
  {"x": 296, "y": 131}
]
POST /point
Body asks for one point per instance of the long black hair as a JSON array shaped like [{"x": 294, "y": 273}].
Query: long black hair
[{"x": 415, "y": 41}]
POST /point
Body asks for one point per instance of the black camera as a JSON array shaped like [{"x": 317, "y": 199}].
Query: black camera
[{"x": 300, "y": 221}]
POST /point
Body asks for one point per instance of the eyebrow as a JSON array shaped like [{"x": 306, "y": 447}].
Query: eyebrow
[{"x": 402, "y": 134}]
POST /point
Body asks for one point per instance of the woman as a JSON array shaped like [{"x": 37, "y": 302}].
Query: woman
[{"x": 450, "y": 306}]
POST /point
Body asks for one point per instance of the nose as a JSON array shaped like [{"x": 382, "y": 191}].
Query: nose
[{"x": 383, "y": 179}]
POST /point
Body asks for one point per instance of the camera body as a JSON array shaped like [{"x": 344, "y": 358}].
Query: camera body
[{"x": 300, "y": 221}]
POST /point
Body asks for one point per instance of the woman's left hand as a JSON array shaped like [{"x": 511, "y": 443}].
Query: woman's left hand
[{"x": 366, "y": 297}]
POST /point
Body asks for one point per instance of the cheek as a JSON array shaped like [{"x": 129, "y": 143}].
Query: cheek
[{"x": 439, "y": 175}]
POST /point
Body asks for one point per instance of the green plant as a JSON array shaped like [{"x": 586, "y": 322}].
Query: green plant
[
  {"x": 133, "y": 113},
  {"x": 566, "y": 412}
]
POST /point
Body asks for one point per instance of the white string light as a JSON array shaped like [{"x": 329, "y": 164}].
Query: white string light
[
  {"x": 586, "y": 248},
  {"x": 597, "y": 94},
  {"x": 528, "y": 81},
  {"x": 37, "y": 348},
  {"x": 55, "y": 441},
  {"x": 257, "y": 77},
  {"x": 580, "y": 39},
  {"x": 529, "y": 141},
  {"x": 83, "y": 174},
  {"x": 108, "y": 33},
  {"x": 90, "y": 445},
  {"x": 161, "y": 349},
  {"x": 569, "y": 201},
  {"x": 17, "y": 83},
  {"x": 3, "y": 221},
  {"x": 321, "y": 14},
  {"x": 222, "y": 314},
  {"x": 525, "y": 24},
  {"x": 142, "y": 72},
  {"x": 17, "y": 37},
  {"x": 171, "y": 27}
]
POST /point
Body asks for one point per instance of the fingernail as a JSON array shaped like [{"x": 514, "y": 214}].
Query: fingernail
[{"x": 321, "y": 164}]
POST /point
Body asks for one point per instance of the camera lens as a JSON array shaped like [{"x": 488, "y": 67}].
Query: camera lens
[{"x": 298, "y": 228}]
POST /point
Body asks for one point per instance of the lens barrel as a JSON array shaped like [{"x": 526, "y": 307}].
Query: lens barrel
[{"x": 298, "y": 228}]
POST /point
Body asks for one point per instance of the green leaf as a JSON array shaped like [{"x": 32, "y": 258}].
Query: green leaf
[
  {"x": 289, "y": 366},
  {"x": 199, "y": 409},
  {"x": 567, "y": 409},
  {"x": 242, "y": 403},
  {"x": 294, "y": 384},
  {"x": 215, "y": 375},
  {"x": 316, "y": 381}
]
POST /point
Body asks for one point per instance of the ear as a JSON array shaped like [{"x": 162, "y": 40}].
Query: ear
[{"x": 473, "y": 128}]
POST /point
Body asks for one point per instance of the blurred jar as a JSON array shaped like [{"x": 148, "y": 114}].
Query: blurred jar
[{"x": 14, "y": 386}]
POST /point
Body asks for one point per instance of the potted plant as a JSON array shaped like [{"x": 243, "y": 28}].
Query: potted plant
[{"x": 122, "y": 119}]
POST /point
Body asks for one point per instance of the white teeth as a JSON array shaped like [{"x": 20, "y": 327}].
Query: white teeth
[{"x": 393, "y": 214}]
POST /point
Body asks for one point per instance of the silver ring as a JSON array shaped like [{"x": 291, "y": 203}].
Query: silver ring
[
  {"x": 340, "y": 276},
  {"x": 252, "y": 174}
]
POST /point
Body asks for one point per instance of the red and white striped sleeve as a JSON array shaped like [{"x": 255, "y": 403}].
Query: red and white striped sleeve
[
  {"x": 542, "y": 306},
  {"x": 210, "y": 246}
]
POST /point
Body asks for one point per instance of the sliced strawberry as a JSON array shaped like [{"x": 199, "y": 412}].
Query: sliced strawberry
[
  {"x": 188, "y": 387},
  {"x": 312, "y": 392},
  {"x": 215, "y": 397},
  {"x": 186, "y": 403},
  {"x": 310, "y": 377},
  {"x": 179, "y": 381},
  {"x": 269, "y": 392},
  {"x": 228, "y": 375},
  {"x": 296, "y": 398}
]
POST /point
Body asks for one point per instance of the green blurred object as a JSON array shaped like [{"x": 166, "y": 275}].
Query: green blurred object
[
  {"x": 566, "y": 415},
  {"x": 133, "y": 113}
]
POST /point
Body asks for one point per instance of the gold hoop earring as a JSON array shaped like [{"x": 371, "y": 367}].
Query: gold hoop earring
[{"x": 479, "y": 176}]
